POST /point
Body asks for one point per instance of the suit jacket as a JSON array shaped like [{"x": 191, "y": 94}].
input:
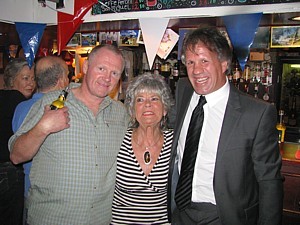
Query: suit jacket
[{"x": 247, "y": 180}]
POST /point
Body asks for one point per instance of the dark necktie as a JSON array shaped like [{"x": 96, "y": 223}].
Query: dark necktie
[{"x": 183, "y": 193}]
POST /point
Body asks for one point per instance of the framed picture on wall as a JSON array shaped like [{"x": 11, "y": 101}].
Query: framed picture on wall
[
  {"x": 128, "y": 38},
  {"x": 88, "y": 39},
  {"x": 75, "y": 40},
  {"x": 167, "y": 43},
  {"x": 285, "y": 37},
  {"x": 182, "y": 32},
  {"x": 261, "y": 38},
  {"x": 110, "y": 38}
]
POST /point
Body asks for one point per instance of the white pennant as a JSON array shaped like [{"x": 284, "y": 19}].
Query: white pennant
[{"x": 153, "y": 30}]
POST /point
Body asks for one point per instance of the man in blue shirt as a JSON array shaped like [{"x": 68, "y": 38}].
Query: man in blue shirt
[{"x": 51, "y": 73}]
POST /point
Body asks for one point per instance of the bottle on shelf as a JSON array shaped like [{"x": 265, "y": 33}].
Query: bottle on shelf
[
  {"x": 60, "y": 101},
  {"x": 257, "y": 72},
  {"x": 270, "y": 75},
  {"x": 281, "y": 127},
  {"x": 256, "y": 87},
  {"x": 165, "y": 69},
  {"x": 156, "y": 69},
  {"x": 247, "y": 73},
  {"x": 175, "y": 72},
  {"x": 236, "y": 74}
]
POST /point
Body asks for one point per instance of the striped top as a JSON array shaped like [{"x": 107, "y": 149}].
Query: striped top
[{"x": 141, "y": 199}]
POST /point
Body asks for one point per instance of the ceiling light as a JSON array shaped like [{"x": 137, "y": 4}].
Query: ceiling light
[
  {"x": 295, "y": 18},
  {"x": 295, "y": 65}
]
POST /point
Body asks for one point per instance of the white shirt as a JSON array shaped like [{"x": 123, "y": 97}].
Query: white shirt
[{"x": 214, "y": 111}]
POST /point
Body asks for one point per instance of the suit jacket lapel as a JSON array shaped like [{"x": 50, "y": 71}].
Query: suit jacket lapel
[
  {"x": 231, "y": 119},
  {"x": 184, "y": 100},
  {"x": 184, "y": 95}
]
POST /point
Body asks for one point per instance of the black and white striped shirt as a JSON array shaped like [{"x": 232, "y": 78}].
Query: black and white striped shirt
[{"x": 141, "y": 199}]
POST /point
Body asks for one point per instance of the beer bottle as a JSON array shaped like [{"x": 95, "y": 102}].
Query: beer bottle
[
  {"x": 60, "y": 101},
  {"x": 175, "y": 72},
  {"x": 281, "y": 127}
]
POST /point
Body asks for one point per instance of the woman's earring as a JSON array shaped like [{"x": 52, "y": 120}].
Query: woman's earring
[{"x": 133, "y": 120}]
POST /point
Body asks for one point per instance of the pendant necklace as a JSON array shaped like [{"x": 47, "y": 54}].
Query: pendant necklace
[{"x": 147, "y": 154}]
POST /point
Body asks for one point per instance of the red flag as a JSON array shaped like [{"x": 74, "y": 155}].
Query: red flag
[
  {"x": 82, "y": 7},
  {"x": 66, "y": 27},
  {"x": 67, "y": 24}
]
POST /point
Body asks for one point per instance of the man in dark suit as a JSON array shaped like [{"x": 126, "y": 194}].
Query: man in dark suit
[{"x": 236, "y": 178}]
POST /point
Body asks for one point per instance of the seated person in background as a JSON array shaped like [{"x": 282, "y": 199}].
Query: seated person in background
[
  {"x": 143, "y": 161},
  {"x": 51, "y": 73}
]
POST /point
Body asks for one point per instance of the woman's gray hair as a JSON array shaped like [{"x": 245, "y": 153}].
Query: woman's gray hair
[
  {"x": 12, "y": 70},
  {"x": 148, "y": 83}
]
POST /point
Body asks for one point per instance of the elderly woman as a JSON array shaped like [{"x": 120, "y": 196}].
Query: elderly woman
[
  {"x": 19, "y": 77},
  {"x": 143, "y": 161},
  {"x": 19, "y": 85}
]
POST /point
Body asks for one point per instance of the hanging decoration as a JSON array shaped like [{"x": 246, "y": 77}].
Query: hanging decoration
[
  {"x": 241, "y": 30},
  {"x": 153, "y": 30},
  {"x": 67, "y": 24},
  {"x": 30, "y": 35},
  {"x": 167, "y": 43}
]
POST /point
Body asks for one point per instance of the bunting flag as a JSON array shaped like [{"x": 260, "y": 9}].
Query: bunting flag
[
  {"x": 67, "y": 24},
  {"x": 241, "y": 30},
  {"x": 30, "y": 35},
  {"x": 82, "y": 7},
  {"x": 153, "y": 29},
  {"x": 66, "y": 27}
]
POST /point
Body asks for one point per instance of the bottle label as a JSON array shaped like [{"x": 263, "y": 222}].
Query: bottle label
[{"x": 59, "y": 102}]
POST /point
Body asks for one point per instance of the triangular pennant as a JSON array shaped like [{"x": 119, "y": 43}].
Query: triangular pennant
[
  {"x": 30, "y": 35},
  {"x": 82, "y": 7},
  {"x": 67, "y": 24},
  {"x": 153, "y": 30},
  {"x": 241, "y": 30}
]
